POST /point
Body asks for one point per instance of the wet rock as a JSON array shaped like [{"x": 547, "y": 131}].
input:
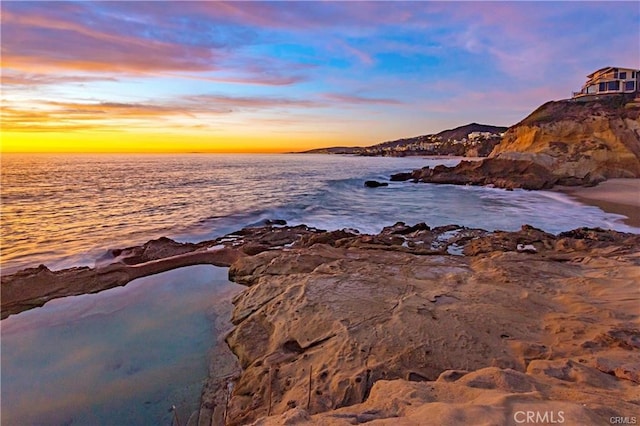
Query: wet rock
[
  {"x": 374, "y": 184},
  {"x": 401, "y": 177},
  {"x": 401, "y": 228},
  {"x": 118, "y": 267},
  {"x": 333, "y": 238},
  {"x": 527, "y": 239},
  {"x": 492, "y": 171},
  {"x": 279, "y": 222},
  {"x": 151, "y": 250}
]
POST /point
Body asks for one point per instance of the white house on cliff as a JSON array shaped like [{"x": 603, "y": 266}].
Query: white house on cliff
[{"x": 609, "y": 80}]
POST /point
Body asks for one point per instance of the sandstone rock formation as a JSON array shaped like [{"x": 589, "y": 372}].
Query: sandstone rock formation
[
  {"x": 498, "y": 172},
  {"x": 570, "y": 142},
  {"x": 414, "y": 325},
  {"x": 33, "y": 287},
  {"x": 579, "y": 141},
  {"x": 364, "y": 328}
]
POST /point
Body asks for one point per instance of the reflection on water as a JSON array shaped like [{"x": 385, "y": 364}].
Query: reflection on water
[
  {"x": 122, "y": 356},
  {"x": 67, "y": 210},
  {"x": 64, "y": 210}
]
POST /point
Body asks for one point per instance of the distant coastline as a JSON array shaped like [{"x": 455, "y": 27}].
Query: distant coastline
[{"x": 470, "y": 140}]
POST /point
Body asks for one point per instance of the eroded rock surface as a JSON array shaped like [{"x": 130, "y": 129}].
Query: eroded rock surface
[
  {"x": 361, "y": 329},
  {"x": 498, "y": 172},
  {"x": 579, "y": 142},
  {"x": 33, "y": 287},
  {"x": 412, "y": 325}
]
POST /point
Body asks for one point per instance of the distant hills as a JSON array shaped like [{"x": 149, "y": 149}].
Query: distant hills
[{"x": 471, "y": 140}]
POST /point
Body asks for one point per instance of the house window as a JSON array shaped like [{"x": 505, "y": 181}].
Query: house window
[
  {"x": 602, "y": 87},
  {"x": 623, "y": 75},
  {"x": 629, "y": 86},
  {"x": 613, "y": 86}
]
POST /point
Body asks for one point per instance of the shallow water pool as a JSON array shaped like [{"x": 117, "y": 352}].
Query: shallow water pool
[{"x": 122, "y": 356}]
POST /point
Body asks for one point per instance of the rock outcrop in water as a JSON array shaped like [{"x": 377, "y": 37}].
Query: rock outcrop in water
[
  {"x": 498, "y": 172},
  {"x": 569, "y": 142},
  {"x": 374, "y": 184}
]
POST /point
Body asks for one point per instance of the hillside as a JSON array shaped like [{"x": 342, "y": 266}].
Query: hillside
[{"x": 472, "y": 140}]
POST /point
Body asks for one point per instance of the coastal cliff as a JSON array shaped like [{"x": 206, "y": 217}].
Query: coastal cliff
[
  {"x": 569, "y": 142},
  {"x": 579, "y": 141}
]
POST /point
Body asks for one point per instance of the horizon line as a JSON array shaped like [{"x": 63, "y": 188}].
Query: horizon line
[{"x": 150, "y": 152}]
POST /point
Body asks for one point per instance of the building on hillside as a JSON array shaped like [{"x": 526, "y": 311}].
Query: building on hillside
[
  {"x": 610, "y": 80},
  {"x": 478, "y": 135}
]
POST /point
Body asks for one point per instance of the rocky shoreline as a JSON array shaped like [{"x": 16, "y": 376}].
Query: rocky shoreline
[
  {"x": 568, "y": 143},
  {"x": 341, "y": 328}
]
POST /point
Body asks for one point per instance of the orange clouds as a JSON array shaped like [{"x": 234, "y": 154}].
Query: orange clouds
[
  {"x": 69, "y": 117},
  {"x": 72, "y": 116}
]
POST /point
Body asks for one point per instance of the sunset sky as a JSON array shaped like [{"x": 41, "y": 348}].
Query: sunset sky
[{"x": 282, "y": 76}]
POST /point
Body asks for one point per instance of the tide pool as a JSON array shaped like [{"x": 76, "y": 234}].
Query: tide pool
[{"x": 121, "y": 356}]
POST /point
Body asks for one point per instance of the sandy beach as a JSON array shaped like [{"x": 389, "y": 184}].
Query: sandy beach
[{"x": 621, "y": 196}]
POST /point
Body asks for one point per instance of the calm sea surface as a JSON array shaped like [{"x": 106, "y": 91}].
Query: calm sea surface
[
  {"x": 66, "y": 210},
  {"x": 123, "y": 356}
]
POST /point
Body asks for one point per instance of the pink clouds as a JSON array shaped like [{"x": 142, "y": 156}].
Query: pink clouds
[
  {"x": 385, "y": 62},
  {"x": 41, "y": 41},
  {"x": 35, "y": 79}
]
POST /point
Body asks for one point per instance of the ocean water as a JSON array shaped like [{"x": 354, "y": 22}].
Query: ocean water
[
  {"x": 67, "y": 210},
  {"x": 123, "y": 356}
]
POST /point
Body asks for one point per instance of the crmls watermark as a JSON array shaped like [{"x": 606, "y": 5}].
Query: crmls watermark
[
  {"x": 632, "y": 420},
  {"x": 533, "y": 417}
]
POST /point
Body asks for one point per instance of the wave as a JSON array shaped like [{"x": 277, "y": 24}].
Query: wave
[{"x": 58, "y": 217}]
